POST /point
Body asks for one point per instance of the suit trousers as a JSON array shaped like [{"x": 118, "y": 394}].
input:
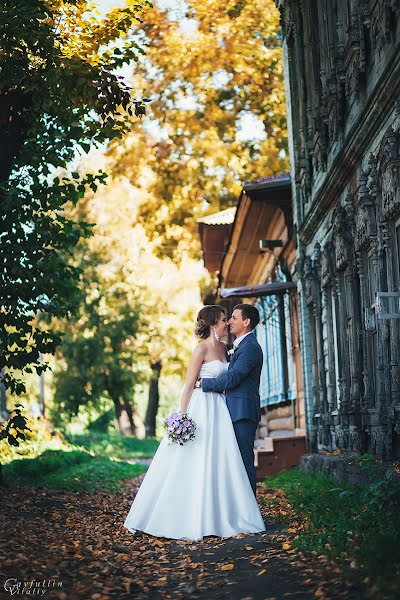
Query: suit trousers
[{"x": 245, "y": 431}]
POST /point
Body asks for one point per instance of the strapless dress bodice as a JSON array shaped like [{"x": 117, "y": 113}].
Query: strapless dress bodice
[{"x": 213, "y": 368}]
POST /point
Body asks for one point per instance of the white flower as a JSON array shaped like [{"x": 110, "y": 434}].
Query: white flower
[{"x": 231, "y": 351}]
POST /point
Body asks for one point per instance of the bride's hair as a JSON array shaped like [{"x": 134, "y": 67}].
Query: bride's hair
[{"x": 207, "y": 316}]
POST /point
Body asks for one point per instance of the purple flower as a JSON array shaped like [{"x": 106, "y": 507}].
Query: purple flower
[{"x": 180, "y": 428}]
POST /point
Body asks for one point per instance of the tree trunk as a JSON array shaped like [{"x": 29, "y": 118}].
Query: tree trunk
[
  {"x": 3, "y": 403},
  {"x": 41, "y": 388},
  {"x": 128, "y": 410},
  {"x": 154, "y": 399},
  {"x": 118, "y": 412},
  {"x": 124, "y": 416}
]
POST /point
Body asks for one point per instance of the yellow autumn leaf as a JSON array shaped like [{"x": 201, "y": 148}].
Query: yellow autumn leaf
[
  {"x": 286, "y": 545},
  {"x": 261, "y": 572},
  {"x": 227, "y": 567}
]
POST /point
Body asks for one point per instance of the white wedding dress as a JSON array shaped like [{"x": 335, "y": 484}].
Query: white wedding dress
[{"x": 200, "y": 488}]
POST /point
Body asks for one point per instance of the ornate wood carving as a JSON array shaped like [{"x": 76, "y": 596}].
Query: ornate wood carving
[
  {"x": 381, "y": 19},
  {"x": 327, "y": 264},
  {"x": 379, "y": 441},
  {"x": 366, "y": 217},
  {"x": 309, "y": 280},
  {"x": 342, "y": 437},
  {"x": 334, "y": 48},
  {"x": 343, "y": 239},
  {"x": 290, "y": 22},
  {"x": 345, "y": 43},
  {"x": 354, "y": 440},
  {"x": 389, "y": 173}
]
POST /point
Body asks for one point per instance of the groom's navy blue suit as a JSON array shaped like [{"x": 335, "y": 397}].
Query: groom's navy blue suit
[{"x": 241, "y": 383}]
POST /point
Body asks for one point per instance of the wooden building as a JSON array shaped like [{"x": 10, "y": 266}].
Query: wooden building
[{"x": 255, "y": 266}]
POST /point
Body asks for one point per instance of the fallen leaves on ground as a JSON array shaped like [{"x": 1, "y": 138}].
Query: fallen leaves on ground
[{"x": 78, "y": 539}]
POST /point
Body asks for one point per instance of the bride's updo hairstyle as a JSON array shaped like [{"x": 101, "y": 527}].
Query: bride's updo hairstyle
[{"x": 209, "y": 315}]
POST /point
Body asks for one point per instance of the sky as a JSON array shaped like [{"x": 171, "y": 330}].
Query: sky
[
  {"x": 249, "y": 126},
  {"x": 105, "y": 5},
  {"x": 177, "y": 9}
]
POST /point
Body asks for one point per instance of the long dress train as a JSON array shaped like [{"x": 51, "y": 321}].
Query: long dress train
[{"x": 200, "y": 488}]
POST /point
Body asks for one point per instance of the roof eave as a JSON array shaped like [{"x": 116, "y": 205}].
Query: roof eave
[{"x": 267, "y": 186}]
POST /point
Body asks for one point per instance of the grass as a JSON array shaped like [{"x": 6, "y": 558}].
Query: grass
[
  {"x": 71, "y": 470},
  {"x": 82, "y": 462},
  {"x": 356, "y": 526},
  {"x": 115, "y": 445}
]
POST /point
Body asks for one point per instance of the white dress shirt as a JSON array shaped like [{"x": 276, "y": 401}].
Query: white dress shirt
[{"x": 239, "y": 339}]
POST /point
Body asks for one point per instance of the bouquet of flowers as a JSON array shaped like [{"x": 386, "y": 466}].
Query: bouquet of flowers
[{"x": 180, "y": 428}]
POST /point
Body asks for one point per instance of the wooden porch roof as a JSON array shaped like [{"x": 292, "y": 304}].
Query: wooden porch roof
[
  {"x": 263, "y": 212},
  {"x": 214, "y": 231}
]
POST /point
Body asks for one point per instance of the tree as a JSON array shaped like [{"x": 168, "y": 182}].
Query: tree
[
  {"x": 59, "y": 95},
  {"x": 98, "y": 350},
  {"x": 211, "y": 68},
  {"x": 171, "y": 298},
  {"x": 163, "y": 296}
]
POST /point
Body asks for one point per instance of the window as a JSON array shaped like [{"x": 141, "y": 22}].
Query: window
[{"x": 278, "y": 377}]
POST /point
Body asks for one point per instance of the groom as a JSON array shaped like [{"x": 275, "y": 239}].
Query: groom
[{"x": 241, "y": 383}]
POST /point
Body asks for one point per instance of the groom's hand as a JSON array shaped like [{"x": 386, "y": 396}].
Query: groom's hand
[{"x": 197, "y": 385}]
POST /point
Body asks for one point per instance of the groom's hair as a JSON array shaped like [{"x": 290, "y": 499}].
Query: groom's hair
[{"x": 249, "y": 312}]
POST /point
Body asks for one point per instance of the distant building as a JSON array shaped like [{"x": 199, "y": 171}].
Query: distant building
[{"x": 342, "y": 62}]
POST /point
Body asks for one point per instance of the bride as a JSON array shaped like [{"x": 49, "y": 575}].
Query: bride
[{"x": 202, "y": 487}]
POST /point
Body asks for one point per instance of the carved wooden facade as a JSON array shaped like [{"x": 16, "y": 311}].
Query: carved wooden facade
[{"x": 343, "y": 64}]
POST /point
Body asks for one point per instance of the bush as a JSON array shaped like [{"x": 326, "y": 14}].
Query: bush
[
  {"x": 102, "y": 423},
  {"x": 34, "y": 469},
  {"x": 358, "y": 526},
  {"x": 73, "y": 470},
  {"x": 40, "y": 438}
]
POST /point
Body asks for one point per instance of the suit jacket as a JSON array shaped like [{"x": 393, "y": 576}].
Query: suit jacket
[{"x": 241, "y": 381}]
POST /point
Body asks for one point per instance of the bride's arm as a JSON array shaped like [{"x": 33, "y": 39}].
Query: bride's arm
[{"x": 196, "y": 360}]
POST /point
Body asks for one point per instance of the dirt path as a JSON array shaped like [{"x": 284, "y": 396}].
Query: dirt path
[{"x": 78, "y": 540}]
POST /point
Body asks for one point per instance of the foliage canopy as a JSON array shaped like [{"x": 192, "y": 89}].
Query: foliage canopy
[
  {"x": 59, "y": 95},
  {"x": 217, "y": 115}
]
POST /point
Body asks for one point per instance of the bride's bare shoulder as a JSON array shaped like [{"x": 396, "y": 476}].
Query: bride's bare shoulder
[{"x": 200, "y": 350}]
